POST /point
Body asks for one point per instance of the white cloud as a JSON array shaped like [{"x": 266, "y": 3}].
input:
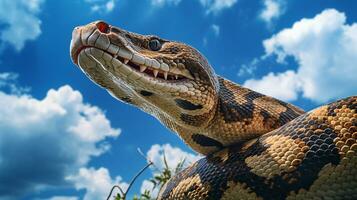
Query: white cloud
[
  {"x": 20, "y": 20},
  {"x": 211, "y": 6},
  {"x": 273, "y": 9},
  {"x": 248, "y": 69},
  {"x": 8, "y": 82},
  {"x": 173, "y": 156},
  {"x": 54, "y": 137},
  {"x": 101, "y": 6},
  {"x": 325, "y": 48},
  {"x": 215, "y": 6},
  {"x": 6, "y": 77},
  {"x": 96, "y": 182},
  {"x": 216, "y": 29},
  {"x": 282, "y": 85},
  {"x": 164, "y": 2}
]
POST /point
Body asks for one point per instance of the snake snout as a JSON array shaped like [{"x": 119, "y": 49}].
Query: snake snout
[
  {"x": 76, "y": 43},
  {"x": 81, "y": 37}
]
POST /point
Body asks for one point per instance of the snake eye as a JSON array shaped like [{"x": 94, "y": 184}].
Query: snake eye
[{"x": 155, "y": 45}]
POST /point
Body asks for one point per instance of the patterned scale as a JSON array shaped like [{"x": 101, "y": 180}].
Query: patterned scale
[{"x": 312, "y": 157}]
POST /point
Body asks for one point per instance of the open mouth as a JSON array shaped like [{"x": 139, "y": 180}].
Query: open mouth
[
  {"x": 142, "y": 68},
  {"x": 150, "y": 71}
]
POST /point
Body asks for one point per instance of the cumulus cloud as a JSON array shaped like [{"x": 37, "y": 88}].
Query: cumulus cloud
[
  {"x": 215, "y": 6},
  {"x": 325, "y": 49},
  {"x": 96, "y": 182},
  {"x": 42, "y": 141},
  {"x": 164, "y": 2},
  {"x": 173, "y": 155},
  {"x": 102, "y": 6},
  {"x": 272, "y": 10},
  {"x": 6, "y": 78},
  {"x": 8, "y": 82},
  {"x": 211, "y": 6},
  {"x": 281, "y": 85},
  {"x": 248, "y": 69},
  {"x": 20, "y": 21}
]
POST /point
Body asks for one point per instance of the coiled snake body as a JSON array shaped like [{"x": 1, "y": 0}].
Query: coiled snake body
[{"x": 256, "y": 147}]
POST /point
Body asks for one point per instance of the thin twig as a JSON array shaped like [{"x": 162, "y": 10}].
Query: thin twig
[
  {"x": 135, "y": 177},
  {"x": 123, "y": 194},
  {"x": 111, "y": 191}
]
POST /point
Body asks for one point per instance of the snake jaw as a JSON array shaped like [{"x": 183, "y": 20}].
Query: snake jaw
[
  {"x": 123, "y": 61},
  {"x": 131, "y": 75}
]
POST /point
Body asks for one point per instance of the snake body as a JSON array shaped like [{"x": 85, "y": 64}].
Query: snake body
[{"x": 256, "y": 147}]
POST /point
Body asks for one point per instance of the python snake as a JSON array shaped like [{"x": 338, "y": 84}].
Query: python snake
[{"x": 256, "y": 147}]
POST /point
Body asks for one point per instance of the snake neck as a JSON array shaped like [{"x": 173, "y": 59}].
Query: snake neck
[{"x": 240, "y": 114}]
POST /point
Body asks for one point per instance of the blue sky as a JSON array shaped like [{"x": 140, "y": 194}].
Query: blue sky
[{"x": 64, "y": 138}]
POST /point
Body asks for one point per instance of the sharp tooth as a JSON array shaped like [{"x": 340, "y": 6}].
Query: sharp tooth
[
  {"x": 142, "y": 68},
  {"x": 176, "y": 76},
  {"x": 126, "y": 61},
  {"x": 187, "y": 74},
  {"x": 116, "y": 56},
  {"x": 155, "y": 72},
  {"x": 165, "y": 75}
]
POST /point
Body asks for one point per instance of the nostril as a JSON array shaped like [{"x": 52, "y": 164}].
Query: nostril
[{"x": 103, "y": 27}]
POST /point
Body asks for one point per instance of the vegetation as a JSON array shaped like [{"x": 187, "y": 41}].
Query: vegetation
[{"x": 160, "y": 177}]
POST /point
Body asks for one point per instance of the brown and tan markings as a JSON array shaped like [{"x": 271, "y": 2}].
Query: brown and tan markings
[
  {"x": 256, "y": 147},
  {"x": 243, "y": 114},
  {"x": 300, "y": 160},
  {"x": 239, "y": 191}
]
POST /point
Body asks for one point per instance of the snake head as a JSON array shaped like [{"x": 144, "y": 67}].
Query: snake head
[{"x": 167, "y": 79}]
